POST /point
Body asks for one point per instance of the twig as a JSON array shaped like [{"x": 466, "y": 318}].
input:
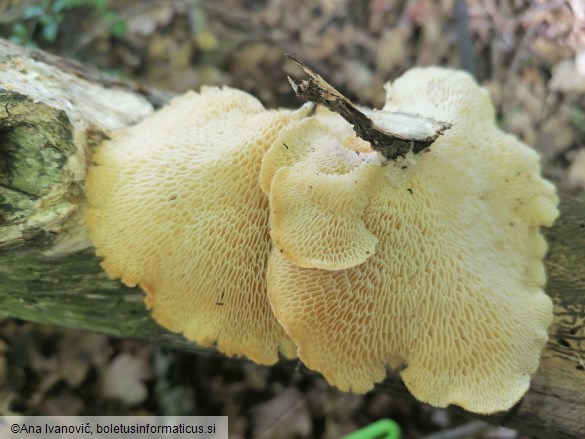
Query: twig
[
  {"x": 391, "y": 134},
  {"x": 464, "y": 42}
]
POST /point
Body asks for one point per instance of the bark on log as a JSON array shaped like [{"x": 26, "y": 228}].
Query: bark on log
[{"x": 53, "y": 112}]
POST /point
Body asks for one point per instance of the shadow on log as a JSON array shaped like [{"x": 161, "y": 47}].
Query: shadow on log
[{"x": 54, "y": 111}]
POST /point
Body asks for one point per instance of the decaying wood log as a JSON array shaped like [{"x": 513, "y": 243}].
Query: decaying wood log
[{"x": 53, "y": 112}]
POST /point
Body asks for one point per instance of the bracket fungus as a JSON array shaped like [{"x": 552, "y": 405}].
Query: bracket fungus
[
  {"x": 175, "y": 206},
  {"x": 430, "y": 261},
  {"x": 354, "y": 248}
]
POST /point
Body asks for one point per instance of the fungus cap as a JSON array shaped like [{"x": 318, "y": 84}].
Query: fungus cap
[
  {"x": 454, "y": 289},
  {"x": 176, "y": 207},
  {"x": 326, "y": 190}
]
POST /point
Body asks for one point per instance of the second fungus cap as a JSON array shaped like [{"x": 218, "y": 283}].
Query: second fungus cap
[{"x": 432, "y": 262}]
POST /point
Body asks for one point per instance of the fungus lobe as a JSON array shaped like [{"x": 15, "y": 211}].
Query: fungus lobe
[
  {"x": 176, "y": 207},
  {"x": 451, "y": 292}
]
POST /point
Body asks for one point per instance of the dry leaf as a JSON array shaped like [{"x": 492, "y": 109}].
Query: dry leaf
[
  {"x": 282, "y": 417},
  {"x": 567, "y": 78},
  {"x": 124, "y": 379},
  {"x": 576, "y": 174}
]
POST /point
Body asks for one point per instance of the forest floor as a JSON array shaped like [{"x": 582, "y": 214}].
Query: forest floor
[{"x": 530, "y": 55}]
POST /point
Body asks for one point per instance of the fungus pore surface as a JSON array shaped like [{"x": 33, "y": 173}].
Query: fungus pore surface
[
  {"x": 176, "y": 207},
  {"x": 431, "y": 262}
]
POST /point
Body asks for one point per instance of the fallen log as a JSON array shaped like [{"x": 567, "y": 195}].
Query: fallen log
[{"x": 53, "y": 112}]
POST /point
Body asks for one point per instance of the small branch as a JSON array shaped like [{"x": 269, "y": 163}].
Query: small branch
[
  {"x": 391, "y": 134},
  {"x": 464, "y": 41}
]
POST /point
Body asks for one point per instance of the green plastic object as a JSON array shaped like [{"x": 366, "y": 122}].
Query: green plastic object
[{"x": 382, "y": 429}]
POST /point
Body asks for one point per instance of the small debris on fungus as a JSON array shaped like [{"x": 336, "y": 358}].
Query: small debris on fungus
[{"x": 392, "y": 134}]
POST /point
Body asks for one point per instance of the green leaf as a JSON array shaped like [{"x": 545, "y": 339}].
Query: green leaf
[
  {"x": 20, "y": 35},
  {"x": 60, "y": 5},
  {"x": 33, "y": 12},
  {"x": 50, "y": 31},
  {"x": 119, "y": 29}
]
